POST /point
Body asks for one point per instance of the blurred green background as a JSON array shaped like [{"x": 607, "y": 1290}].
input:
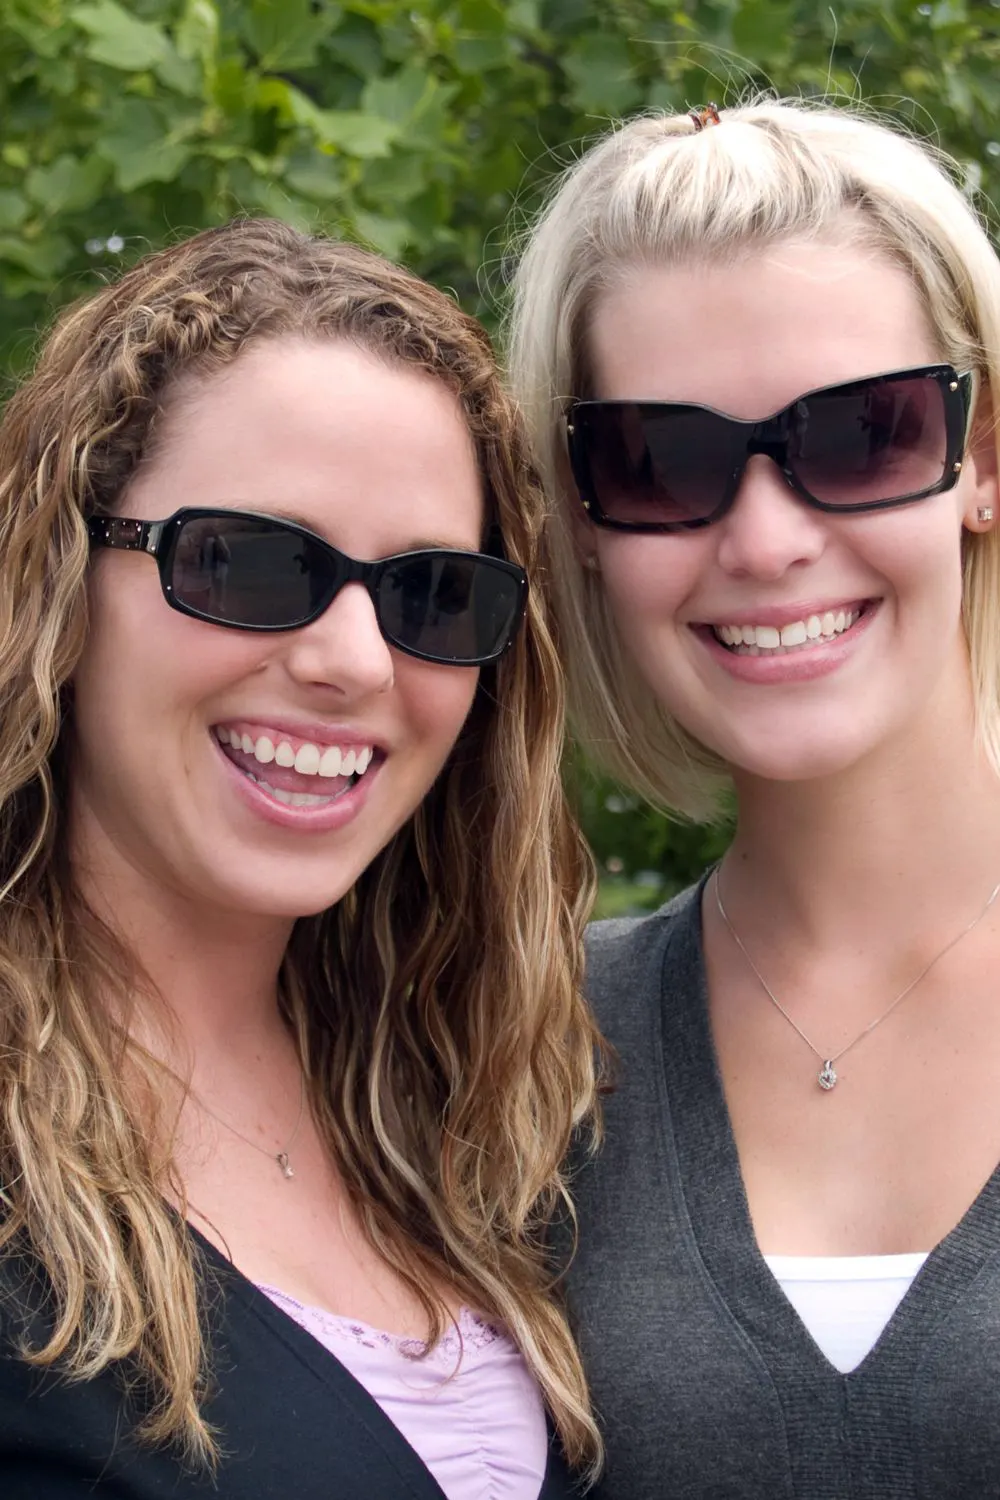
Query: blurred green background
[{"x": 427, "y": 130}]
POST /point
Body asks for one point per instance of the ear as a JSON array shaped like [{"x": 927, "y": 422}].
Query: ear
[{"x": 982, "y": 467}]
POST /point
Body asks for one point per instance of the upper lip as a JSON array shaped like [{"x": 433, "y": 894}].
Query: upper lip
[
  {"x": 783, "y": 614},
  {"x": 315, "y": 731}
]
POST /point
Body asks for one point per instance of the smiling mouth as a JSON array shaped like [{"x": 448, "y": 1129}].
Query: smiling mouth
[
  {"x": 795, "y": 635},
  {"x": 296, "y": 771}
]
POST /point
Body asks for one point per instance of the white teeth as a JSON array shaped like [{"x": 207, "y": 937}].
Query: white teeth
[
  {"x": 292, "y": 799},
  {"x": 330, "y": 763},
  {"x": 307, "y": 760},
  {"x": 755, "y": 640}
]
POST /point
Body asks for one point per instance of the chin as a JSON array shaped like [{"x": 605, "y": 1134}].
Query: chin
[{"x": 798, "y": 763}]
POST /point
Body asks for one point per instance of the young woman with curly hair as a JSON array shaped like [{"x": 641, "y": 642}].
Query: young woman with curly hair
[{"x": 291, "y": 1044}]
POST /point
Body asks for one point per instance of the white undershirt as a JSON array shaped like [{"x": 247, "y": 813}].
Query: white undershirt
[{"x": 845, "y": 1301}]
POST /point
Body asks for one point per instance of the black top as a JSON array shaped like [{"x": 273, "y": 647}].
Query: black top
[
  {"x": 707, "y": 1382},
  {"x": 294, "y": 1423}
]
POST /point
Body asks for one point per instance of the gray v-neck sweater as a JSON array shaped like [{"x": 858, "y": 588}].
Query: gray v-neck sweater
[{"x": 708, "y": 1385}]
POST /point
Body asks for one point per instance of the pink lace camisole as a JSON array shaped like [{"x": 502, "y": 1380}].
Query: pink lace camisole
[{"x": 470, "y": 1408}]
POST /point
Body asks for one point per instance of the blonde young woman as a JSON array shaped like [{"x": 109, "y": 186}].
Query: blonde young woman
[
  {"x": 290, "y": 1042},
  {"x": 758, "y": 349}
]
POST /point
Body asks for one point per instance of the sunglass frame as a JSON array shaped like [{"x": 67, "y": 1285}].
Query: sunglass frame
[
  {"x": 160, "y": 538},
  {"x": 770, "y": 437}
]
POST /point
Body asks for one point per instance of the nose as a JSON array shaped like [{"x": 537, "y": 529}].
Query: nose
[
  {"x": 344, "y": 649},
  {"x": 768, "y": 531}
]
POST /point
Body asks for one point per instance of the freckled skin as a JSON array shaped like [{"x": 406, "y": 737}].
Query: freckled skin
[{"x": 377, "y": 459}]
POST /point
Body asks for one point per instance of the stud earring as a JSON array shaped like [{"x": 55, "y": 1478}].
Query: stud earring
[
  {"x": 985, "y": 514},
  {"x": 591, "y": 564}
]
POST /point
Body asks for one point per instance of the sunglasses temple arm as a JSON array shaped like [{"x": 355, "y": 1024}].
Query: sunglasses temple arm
[{"x": 123, "y": 534}]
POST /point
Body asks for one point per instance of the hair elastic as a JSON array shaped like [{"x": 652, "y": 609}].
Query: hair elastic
[{"x": 707, "y": 116}]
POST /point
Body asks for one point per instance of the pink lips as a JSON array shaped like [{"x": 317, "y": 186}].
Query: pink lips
[
  {"x": 316, "y": 818},
  {"x": 804, "y": 664}
]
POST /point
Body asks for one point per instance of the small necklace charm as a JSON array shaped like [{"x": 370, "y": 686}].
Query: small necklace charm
[
  {"x": 827, "y": 1075},
  {"x": 282, "y": 1156}
]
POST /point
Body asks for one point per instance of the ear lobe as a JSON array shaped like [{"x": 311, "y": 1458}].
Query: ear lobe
[{"x": 982, "y": 460}]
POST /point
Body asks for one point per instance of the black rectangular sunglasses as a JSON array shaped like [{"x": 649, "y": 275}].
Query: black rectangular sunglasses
[
  {"x": 249, "y": 571},
  {"x": 866, "y": 445}
]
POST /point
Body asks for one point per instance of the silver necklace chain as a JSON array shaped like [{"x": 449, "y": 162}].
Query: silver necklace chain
[
  {"x": 282, "y": 1156},
  {"x": 827, "y": 1076}
]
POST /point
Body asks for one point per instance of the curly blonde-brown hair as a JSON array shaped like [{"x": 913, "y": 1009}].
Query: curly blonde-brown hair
[{"x": 448, "y": 1053}]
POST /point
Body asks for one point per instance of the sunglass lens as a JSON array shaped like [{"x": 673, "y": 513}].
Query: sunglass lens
[
  {"x": 449, "y": 607},
  {"x": 870, "y": 442},
  {"x": 245, "y": 571},
  {"x": 657, "y": 465}
]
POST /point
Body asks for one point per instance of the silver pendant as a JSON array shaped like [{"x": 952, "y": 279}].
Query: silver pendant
[
  {"x": 282, "y": 1159},
  {"x": 827, "y": 1075}
]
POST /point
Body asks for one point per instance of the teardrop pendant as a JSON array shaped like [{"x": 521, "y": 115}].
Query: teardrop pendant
[
  {"x": 827, "y": 1076},
  {"x": 281, "y": 1158}
]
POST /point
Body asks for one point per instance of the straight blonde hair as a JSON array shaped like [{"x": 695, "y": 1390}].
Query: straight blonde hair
[
  {"x": 660, "y": 191},
  {"x": 448, "y": 1053}
]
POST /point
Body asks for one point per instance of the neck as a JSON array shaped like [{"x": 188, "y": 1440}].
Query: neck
[
  {"x": 209, "y": 976},
  {"x": 912, "y": 836}
]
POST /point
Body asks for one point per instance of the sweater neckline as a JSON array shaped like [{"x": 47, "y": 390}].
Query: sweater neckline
[{"x": 718, "y": 1213}]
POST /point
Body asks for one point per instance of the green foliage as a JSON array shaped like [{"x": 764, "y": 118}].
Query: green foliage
[{"x": 424, "y": 129}]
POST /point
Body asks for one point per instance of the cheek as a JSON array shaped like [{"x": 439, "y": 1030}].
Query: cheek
[
  {"x": 144, "y": 663},
  {"x": 646, "y": 581},
  {"x": 435, "y": 702}
]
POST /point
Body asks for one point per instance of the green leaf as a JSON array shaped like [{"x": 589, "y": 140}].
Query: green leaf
[
  {"x": 42, "y": 257},
  {"x": 315, "y": 174},
  {"x": 761, "y": 28},
  {"x": 67, "y": 185},
  {"x": 13, "y": 208},
  {"x": 197, "y": 33},
  {"x": 119, "y": 39},
  {"x": 357, "y": 45},
  {"x": 350, "y": 130},
  {"x": 398, "y": 97},
  {"x": 285, "y": 33},
  {"x": 356, "y": 133},
  {"x": 139, "y": 147},
  {"x": 389, "y": 236},
  {"x": 601, "y": 72}
]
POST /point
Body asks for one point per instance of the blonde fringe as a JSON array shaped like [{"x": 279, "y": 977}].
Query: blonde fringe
[{"x": 448, "y": 1053}]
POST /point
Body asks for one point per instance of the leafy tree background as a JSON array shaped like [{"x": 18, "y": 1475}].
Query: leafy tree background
[{"x": 426, "y": 129}]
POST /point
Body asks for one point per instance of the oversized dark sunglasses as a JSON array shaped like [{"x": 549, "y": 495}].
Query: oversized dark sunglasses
[
  {"x": 671, "y": 466},
  {"x": 255, "y": 572}
]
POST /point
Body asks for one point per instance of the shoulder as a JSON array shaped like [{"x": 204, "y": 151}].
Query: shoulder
[{"x": 631, "y": 959}]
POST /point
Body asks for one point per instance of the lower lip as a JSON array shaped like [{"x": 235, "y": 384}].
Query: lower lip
[
  {"x": 318, "y": 819},
  {"x": 802, "y": 665}
]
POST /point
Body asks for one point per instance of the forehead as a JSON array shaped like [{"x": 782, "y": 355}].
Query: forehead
[
  {"x": 371, "y": 453},
  {"x": 751, "y": 335}
]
